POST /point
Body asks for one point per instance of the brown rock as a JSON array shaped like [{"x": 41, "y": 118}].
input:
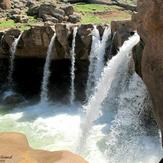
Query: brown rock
[
  {"x": 84, "y": 41},
  {"x": 74, "y": 18},
  {"x": 69, "y": 10},
  {"x": 5, "y": 4},
  {"x": 149, "y": 22},
  {"x": 63, "y": 32},
  {"x": 123, "y": 31},
  {"x": 34, "y": 42},
  {"x": 49, "y": 18},
  {"x": 15, "y": 148}
]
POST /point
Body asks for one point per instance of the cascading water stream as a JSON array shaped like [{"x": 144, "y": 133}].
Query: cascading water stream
[
  {"x": 72, "y": 97},
  {"x": 93, "y": 60},
  {"x": 12, "y": 58},
  {"x": 96, "y": 58},
  {"x": 101, "y": 52},
  {"x": 46, "y": 72},
  {"x": 110, "y": 71}
]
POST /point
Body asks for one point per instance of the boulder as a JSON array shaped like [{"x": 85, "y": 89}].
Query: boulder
[
  {"x": 20, "y": 18},
  {"x": 149, "y": 21},
  {"x": 15, "y": 11},
  {"x": 59, "y": 17},
  {"x": 50, "y": 18},
  {"x": 33, "y": 11},
  {"x": 15, "y": 148},
  {"x": 47, "y": 12},
  {"x": 68, "y": 9},
  {"x": 5, "y": 4},
  {"x": 74, "y": 18},
  {"x": 46, "y": 9}
]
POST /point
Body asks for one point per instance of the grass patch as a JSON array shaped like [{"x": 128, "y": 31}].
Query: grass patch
[
  {"x": 90, "y": 7},
  {"x": 5, "y": 24},
  {"x": 86, "y": 19},
  {"x": 100, "y": 14}
]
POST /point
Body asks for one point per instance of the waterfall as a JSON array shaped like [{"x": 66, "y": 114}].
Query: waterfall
[
  {"x": 46, "y": 72},
  {"x": 12, "y": 58},
  {"x": 128, "y": 139},
  {"x": 72, "y": 97},
  {"x": 101, "y": 53},
  {"x": 96, "y": 58},
  {"x": 93, "y": 60},
  {"x": 113, "y": 68}
]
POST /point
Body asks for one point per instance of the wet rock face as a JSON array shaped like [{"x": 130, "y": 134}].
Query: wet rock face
[
  {"x": 16, "y": 147},
  {"x": 149, "y": 22}
]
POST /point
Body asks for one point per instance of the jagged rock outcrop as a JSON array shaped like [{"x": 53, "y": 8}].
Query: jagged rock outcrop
[
  {"x": 14, "y": 147},
  {"x": 149, "y": 21},
  {"x": 34, "y": 42}
]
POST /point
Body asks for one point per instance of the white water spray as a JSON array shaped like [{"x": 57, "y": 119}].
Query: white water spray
[
  {"x": 101, "y": 54},
  {"x": 72, "y": 97},
  {"x": 104, "y": 84},
  {"x": 12, "y": 58},
  {"x": 128, "y": 139},
  {"x": 93, "y": 60},
  {"x": 46, "y": 73},
  {"x": 96, "y": 58}
]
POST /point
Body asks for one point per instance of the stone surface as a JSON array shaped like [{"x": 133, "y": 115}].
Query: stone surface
[
  {"x": 68, "y": 9},
  {"x": 123, "y": 30},
  {"x": 20, "y": 18},
  {"x": 74, "y": 18},
  {"x": 46, "y": 9},
  {"x": 50, "y": 18},
  {"x": 34, "y": 42},
  {"x": 5, "y": 4},
  {"x": 16, "y": 149},
  {"x": 149, "y": 21}
]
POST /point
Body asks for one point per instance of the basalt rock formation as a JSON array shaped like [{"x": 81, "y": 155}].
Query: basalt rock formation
[
  {"x": 14, "y": 147},
  {"x": 149, "y": 21},
  {"x": 34, "y": 42}
]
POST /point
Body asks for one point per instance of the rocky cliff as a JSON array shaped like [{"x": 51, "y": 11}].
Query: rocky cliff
[
  {"x": 34, "y": 42},
  {"x": 14, "y": 147},
  {"x": 149, "y": 22}
]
